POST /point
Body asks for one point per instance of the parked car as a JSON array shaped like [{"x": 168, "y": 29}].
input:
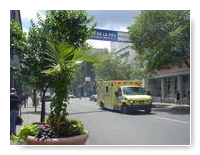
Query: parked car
[
  {"x": 48, "y": 97},
  {"x": 93, "y": 97},
  {"x": 71, "y": 96}
]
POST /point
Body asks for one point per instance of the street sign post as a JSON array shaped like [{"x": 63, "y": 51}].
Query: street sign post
[{"x": 109, "y": 35}]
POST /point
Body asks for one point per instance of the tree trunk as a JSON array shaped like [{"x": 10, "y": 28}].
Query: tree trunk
[
  {"x": 43, "y": 106},
  {"x": 34, "y": 99},
  {"x": 187, "y": 63}
]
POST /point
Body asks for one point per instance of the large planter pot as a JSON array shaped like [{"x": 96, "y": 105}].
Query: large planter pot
[{"x": 76, "y": 140}]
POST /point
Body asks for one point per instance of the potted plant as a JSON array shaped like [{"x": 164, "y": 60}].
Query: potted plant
[{"x": 58, "y": 128}]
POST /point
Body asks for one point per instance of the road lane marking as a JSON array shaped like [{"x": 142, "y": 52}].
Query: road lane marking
[{"x": 174, "y": 120}]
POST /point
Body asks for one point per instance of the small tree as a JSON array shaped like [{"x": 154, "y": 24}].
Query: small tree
[
  {"x": 77, "y": 79},
  {"x": 62, "y": 60}
]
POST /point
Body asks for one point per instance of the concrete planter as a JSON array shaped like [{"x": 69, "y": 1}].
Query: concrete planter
[{"x": 76, "y": 140}]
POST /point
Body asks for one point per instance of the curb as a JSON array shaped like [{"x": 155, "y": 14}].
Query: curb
[{"x": 171, "y": 106}]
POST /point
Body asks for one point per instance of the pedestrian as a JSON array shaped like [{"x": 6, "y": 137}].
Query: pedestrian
[
  {"x": 189, "y": 97},
  {"x": 149, "y": 92},
  {"x": 79, "y": 95},
  {"x": 26, "y": 98},
  {"x": 177, "y": 97},
  {"x": 15, "y": 110},
  {"x": 37, "y": 99},
  {"x": 23, "y": 99}
]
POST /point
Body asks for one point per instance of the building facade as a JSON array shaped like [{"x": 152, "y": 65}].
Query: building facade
[
  {"x": 14, "y": 59},
  {"x": 124, "y": 51},
  {"x": 168, "y": 82}
]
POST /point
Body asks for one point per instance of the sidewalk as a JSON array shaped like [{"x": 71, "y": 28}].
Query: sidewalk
[
  {"x": 29, "y": 116},
  {"x": 171, "y": 106}
]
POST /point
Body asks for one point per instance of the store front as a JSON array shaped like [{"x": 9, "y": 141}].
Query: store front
[{"x": 164, "y": 86}]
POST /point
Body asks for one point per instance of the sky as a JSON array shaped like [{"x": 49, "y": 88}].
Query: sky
[{"x": 117, "y": 20}]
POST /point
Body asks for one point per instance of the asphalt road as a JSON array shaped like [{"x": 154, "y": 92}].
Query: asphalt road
[
  {"x": 163, "y": 126},
  {"x": 160, "y": 127}
]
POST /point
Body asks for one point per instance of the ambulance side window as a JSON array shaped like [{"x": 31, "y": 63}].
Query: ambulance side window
[
  {"x": 106, "y": 89},
  {"x": 119, "y": 92}
]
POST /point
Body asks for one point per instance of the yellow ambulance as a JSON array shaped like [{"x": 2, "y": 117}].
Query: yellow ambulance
[{"x": 126, "y": 96}]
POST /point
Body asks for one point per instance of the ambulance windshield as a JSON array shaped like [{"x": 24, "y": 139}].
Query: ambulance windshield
[{"x": 133, "y": 91}]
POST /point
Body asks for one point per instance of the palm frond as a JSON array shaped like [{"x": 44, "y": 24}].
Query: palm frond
[
  {"x": 81, "y": 55},
  {"x": 88, "y": 59},
  {"x": 65, "y": 51},
  {"x": 62, "y": 58},
  {"x": 52, "y": 52}
]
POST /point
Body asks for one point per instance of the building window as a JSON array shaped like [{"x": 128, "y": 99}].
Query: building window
[
  {"x": 185, "y": 85},
  {"x": 184, "y": 79},
  {"x": 168, "y": 84},
  {"x": 167, "y": 87},
  {"x": 155, "y": 87},
  {"x": 175, "y": 85},
  {"x": 125, "y": 54},
  {"x": 12, "y": 12}
]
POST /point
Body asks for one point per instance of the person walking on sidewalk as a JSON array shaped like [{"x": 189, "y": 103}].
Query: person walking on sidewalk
[
  {"x": 23, "y": 99},
  {"x": 188, "y": 97},
  {"x": 177, "y": 97},
  {"x": 15, "y": 110}
]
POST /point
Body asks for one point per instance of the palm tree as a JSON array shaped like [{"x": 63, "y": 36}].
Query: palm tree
[{"x": 62, "y": 60}]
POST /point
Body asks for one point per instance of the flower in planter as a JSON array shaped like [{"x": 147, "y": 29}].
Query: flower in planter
[{"x": 68, "y": 128}]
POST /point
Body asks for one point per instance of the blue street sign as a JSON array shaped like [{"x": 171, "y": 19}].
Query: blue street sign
[
  {"x": 109, "y": 35},
  {"x": 106, "y": 35}
]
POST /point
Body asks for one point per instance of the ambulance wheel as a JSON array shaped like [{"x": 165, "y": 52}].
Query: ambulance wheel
[
  {"x": 102, "y": 105},
  {"x": 125, "y": 109},
  {"x": 148, "y": 110}
]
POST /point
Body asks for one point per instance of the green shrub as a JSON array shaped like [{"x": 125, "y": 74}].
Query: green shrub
[{"x": 26, "y": 130}]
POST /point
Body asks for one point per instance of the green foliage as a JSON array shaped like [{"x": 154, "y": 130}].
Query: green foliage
[
  {"x": 17, "y": 39},
  {"x": 69, "y": 26},
  {"x": 15, "y": 31},
  {"x": 161, "y": 38},
  {"x": 60, "y": 69},
  {"x": 77, "y": 78},
  {"x": 67, "y": 127},
  {"x": 26, "y": 130},
  {"x": 33, "y": 64},
  {"x": 117, "y": 69},
  {"x": 61, "y": 62}
]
